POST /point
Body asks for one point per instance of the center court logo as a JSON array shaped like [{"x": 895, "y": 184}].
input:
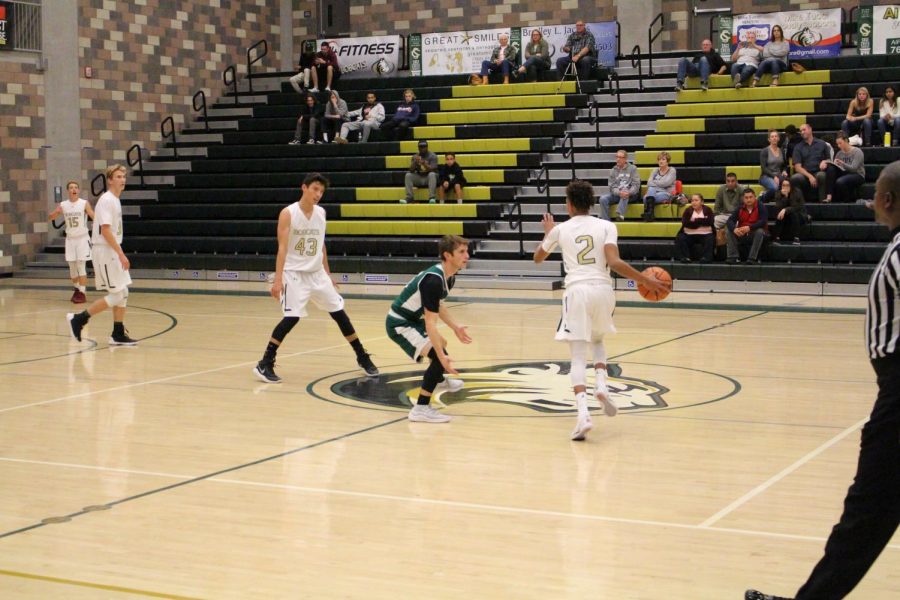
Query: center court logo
[{"x": 534, "y": 388}]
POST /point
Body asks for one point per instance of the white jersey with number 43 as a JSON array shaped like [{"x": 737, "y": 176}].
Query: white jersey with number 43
[
  {"x": 581, "y": 240},
  {"x": 304, "y": 252}
]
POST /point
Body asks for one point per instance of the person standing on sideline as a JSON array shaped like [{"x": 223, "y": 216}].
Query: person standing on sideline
[
  {"x": 76, "y": 211},
  {"x": 302, "y": 274},
  {"x": 110, "y": 263},
  {"x": 412, "y": 324},
  {"x": 589, "y": 248},
  {"x": 872, "y": 505}
]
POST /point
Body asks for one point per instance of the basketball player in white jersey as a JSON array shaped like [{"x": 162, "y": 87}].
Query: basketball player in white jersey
[
  {"x": 302, "y": 274},
  {"x": 110, "y": 263},
  {"x": 76, "y": 212},
  {"x": 589, "y": 251}
]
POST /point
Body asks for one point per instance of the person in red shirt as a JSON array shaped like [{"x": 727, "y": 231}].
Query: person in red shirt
[{"x": 747, "y": 226}]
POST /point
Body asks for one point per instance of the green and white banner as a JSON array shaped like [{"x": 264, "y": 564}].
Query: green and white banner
[
  {"x": 415, "y": 54},
  {"x": 879, "y": 29}
]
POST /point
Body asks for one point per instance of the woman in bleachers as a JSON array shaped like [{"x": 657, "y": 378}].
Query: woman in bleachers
[
  {"x": 335, "y": 115},
  {"x": 790, "y": 213},
  {"x": 660, "y": 186},
  {"x": 773, "y": 166},
  {"x": 774, "y": 57},
  {"x": 405, "y": 117},
  {"x": 745, "y": 59},
  {"x": 889, "y": 115},
  {"x": 845, "y": 172},
  {"x": 696, "y": 230},
  {"x": 859, "y": 116},
  {"x": 537, "y": 56},
  {"x": 308, "y": 122}
]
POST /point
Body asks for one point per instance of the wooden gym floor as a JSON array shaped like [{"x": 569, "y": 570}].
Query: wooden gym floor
[{"x": 168, "y": 471}]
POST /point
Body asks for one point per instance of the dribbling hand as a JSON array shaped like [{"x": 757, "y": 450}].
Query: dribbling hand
[{"x": 655, "y": 285}]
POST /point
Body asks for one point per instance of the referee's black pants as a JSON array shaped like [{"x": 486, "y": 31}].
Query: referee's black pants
[{"x": 872, "y": 506}]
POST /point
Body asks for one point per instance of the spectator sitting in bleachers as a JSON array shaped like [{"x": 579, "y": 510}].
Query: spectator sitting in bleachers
[
  {"x": 708, "y": 62},
  {"x": 790, "y": 214},
  {"x": 422, "y": 172},
  {"x": 335, "y": 115},
  {"x": 845, "y": 173},
  {"x": 367, "y": 118},
  {"x": 660, "y": 186},
  {"x": 308, "y": 121},
  {"x": 745, "y": 59},
  {"x": 326, "y": 67},
  {"x": 624, "y": 187},
  {"x": 305, "y": 66},
  {"x": 537, "y": 56},
  {"x": 859, "y": 116},
  {"x": 790, "y": 141},
  {"x": 809, "y": 164},
  {"x": 504, "y": 59},
  {"x": 774, "y": 57},
  {"x": 405, "y": 117},
  {"x": 747, "y": 226},
  {"x": 450, "y": 177},
  {"x": 728, "y": 200},
  {"x": 580, "y": 48},
  {"x": 773, "y": 166},
  {"x": 889, "y": 115},
  {"x": 696, "y": 230}
]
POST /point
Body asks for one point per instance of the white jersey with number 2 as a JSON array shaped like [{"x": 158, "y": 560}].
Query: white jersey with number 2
[
  {"x": 581, "y": 240},
  {"x": 306, "y": 241}
]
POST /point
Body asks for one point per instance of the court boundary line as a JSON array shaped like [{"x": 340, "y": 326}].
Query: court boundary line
[
  {"x": 781, "y": 475},
  {"x": 96, "y": 586}
]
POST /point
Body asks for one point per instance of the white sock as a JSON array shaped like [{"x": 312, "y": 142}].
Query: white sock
[
  {"x": 81, "y": 288},
  {"x": 581, "y": 404}
]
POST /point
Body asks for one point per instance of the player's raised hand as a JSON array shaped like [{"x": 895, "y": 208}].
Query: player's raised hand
[
  {"x": 548, "y": 223},
  {"x": 462, "y": 335}
]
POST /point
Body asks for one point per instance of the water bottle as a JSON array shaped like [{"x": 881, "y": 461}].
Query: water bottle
[{"x": 887, "y": 139}]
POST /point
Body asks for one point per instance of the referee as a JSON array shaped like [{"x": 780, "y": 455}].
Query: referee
[{"x": 872, "y": 506}]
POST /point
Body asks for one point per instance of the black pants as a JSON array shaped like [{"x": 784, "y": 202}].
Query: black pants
[
  {"x": 331, "y": 127},
  {"x": 394, "y": 130},
  {"x": 685, "y": 243},
  {"x": 788, "y": 228},
  {"x": 841, "y": 185},
  {"x": 872, "y": 506}
]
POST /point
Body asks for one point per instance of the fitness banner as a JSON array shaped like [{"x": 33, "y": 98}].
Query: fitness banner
[
  {"x": 812, "y": 33},
  {"x": 605, "y": 34},
  {"x": 359, "y": 57},
  {"x": 879, "y": 29},
  {"x": 457, "y": 52}
]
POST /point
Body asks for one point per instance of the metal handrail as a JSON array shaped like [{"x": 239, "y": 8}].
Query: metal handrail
[
  {"x": 232, "y": 83},
  {"x": 636, "y": 62},
  {"x": 544, "y": 187},
  {"x": 570, "y": 153},
  {"x": 162, "y": 130},
  {"x": 652, "y": 38},
  {"x": 594, "y": 119},
  {"x": 202, "y": 106},
  {"x": 515, "y": 222},
  {"x": 259, "y": 56},
  {"x": 618, "y": 42},
  {"x": 139, "y": 162},
  {"x": 99, "y": 177},
  {"x": 618, "y": 92}
]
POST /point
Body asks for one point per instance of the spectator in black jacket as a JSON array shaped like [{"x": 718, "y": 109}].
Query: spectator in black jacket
[
  {"x": 308, "y": 121},
  {"x": 307, "y": 62},
  {"x": 450, "y": 176},
  {"x": 403, "y": 118},
  {"x": 697, "y": 229},
  {"x": 790, "y": 214}
]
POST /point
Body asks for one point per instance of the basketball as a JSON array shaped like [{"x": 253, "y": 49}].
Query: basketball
[{"x": 660, "y": 274}]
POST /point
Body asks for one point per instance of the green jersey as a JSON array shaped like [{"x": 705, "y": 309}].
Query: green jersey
[{"x": 425, "y": 290}]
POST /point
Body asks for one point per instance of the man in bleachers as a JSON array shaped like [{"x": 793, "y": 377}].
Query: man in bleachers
[
  {"x": 624, "y": 187},
  {"x": 808, "y": 157},
  {"x": 422, "y": 172},
  {"x": 581, "y": 49},
  {"x": 326, "y": 67},
  {"x": 707, "y": 62},
  {"x": 504, "y": 58},
  {"x": 370, "y": 116},
  {"x": 747, "y": 226},
  {"x": 728, "y": 200}
]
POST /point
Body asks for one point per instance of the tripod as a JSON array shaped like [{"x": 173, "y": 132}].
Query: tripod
[{"x": 571, "y": 71}]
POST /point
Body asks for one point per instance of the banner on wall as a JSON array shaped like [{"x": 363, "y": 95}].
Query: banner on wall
[
  {"x": 723, "y": 44},
  {"x": 879, "y": 29},
  {"x": 358, "y": 57},
  {"x": 457, "y": 52},
  {"x": 5, "y": 26},
  {"x": 605, "y": 35},
  {"x": 415, "y": 54},
  {"x": 811, "y": 33}
]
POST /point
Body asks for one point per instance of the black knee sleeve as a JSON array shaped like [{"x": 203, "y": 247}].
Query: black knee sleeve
[
  {"x": 284, "y": 327},
  {"x": 434, "y": 374},
  {"x": 343, "y": 321}
]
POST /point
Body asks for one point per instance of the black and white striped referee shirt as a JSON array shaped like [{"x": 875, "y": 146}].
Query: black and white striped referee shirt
[{"x": 883, "y": 313}]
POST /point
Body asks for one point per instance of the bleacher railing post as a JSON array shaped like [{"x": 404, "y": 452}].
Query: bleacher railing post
[
  {"x": 139, "y": 162},
  {"x": 171, "y": 133},
  {"x": 101, "y": 177},
  {"x": 233, "y": 83},
  {"x": 259, "y": 56},
  {"x": 202, "y": 107},
  {"x": 652, "y": 38}
]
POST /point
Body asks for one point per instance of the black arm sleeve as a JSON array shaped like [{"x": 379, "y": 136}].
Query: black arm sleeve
[{"x": 431, "y": 288}]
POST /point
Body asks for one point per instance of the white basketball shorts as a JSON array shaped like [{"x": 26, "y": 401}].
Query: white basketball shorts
[
  {"x": 301, "y": 287},
  {"x": 108, "y": 271},
  {"x": 78, "y": 248},
  {"x": 587, "y": 312}
]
